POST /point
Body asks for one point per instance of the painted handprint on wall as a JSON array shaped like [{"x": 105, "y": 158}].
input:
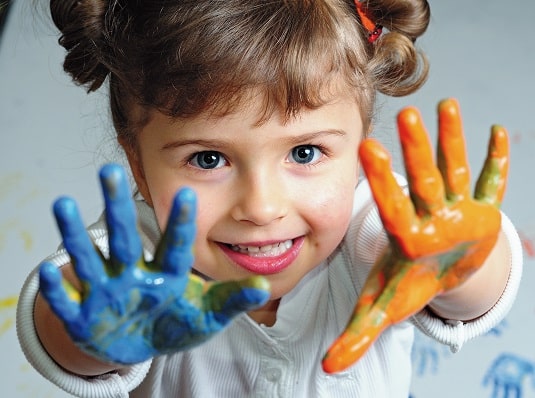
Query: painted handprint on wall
[
  {"x": 507, "y": 375},
  {"x": 426, "y": 354},
  {"x": 498, "y": 330}
]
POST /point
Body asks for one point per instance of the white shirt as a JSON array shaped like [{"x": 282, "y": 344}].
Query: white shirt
[{"x": 251, "y": 360}]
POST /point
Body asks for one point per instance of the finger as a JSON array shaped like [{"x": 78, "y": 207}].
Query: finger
[
  {"x": 364, "y": 327},
  {"x": 451, "y": 151},
  {"x": 62, "y": 297},
  {"x": 86, "y": 261},
  {"x": 373, "y": 287},
  {"x": 124, "y": 240},
  {"x": 175, "y": 251},
  {"x": 395, "y": 208},
  {"x": 351, "y": 345},
  {"x": 492, "y": 181},
  {"x": 425, "y": 182},
  {"x": 409, "y": 288},
  {"x": 406, "y": 292},
  {"x": 228, "y": 299}
]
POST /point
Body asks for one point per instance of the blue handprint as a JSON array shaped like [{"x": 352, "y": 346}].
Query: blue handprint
[
  {"x": 507, "y": 373},
  {"x": 129, "y": 309},
  {"x": 499, "y": 329},
  {"x": 425, "y": 358},
  {"x": 426, "y": 353}
]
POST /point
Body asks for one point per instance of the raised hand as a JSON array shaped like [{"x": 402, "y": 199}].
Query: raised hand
[
  {"x": 438, "y": 236},
  {"x": 128, "y": 309}
]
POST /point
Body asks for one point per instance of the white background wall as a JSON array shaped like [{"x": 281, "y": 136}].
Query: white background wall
[{"x": 54, "y": 138}]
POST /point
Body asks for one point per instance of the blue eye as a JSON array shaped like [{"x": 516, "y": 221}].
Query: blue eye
[
  {"x": 208, "y": 160},
  {"x": 305, "y": 154}
]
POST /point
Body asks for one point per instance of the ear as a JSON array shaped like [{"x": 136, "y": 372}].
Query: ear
[{"x": 136, "y": 166}]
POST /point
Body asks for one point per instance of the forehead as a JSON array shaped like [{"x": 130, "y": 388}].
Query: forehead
[
  {"x": 268, "y": 101},
  {"x": 256, "y": 106},
  {"x": 250, "y": 123}
]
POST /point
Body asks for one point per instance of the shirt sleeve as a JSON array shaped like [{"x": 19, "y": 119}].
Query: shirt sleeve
[{"x": 113, "y": 384}]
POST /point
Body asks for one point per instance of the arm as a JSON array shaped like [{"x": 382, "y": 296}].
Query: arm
[
  {"x": 439, "y": 237},
  {"x": 116, "y": 384},
  {"x": 57, "y": 342}
]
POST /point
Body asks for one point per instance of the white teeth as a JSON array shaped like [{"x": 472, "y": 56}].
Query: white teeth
[{"x": 264, "y": 251}]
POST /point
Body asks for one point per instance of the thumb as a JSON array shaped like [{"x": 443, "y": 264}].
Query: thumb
[
  {"x": 363, "y": 329},
  {"x": 225, "y": 300}
]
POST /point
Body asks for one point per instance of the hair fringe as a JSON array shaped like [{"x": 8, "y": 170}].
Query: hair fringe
[{"x": 187, "y": 57}]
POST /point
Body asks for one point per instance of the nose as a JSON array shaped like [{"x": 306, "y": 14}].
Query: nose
[{"x": 261, "y": 199}]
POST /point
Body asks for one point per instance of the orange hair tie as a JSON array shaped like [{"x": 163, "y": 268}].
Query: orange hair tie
[{"x": 374, "y": 30}]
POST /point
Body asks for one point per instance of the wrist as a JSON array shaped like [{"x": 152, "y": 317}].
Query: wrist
[{"x": 481, "y": 291}]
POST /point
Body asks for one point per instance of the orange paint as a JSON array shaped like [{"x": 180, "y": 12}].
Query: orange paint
[
  {"x": 399, "y": 301},
  {"x": 439, "y": 235}
]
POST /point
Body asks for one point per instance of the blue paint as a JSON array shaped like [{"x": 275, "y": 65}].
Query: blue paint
[
  {"x": 75, "y": 239},
  {"x": 131, "y": 310},
  {"x": 121, "y": 219},
  {"x": 178, "y": 239},
  {"x": 498, "y": 330},
  {"x": 426, "y": 354},
  {"x": 53, "y": 291},
  {"x": 507, "y": 374}
]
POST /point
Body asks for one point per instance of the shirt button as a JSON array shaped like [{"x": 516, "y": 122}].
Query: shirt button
[{"x": 273, "y": 374}]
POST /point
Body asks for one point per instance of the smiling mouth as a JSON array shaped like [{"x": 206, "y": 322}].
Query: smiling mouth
[
  {"x": 272, "y": 250},
  {"x": 265, "y": 259}
]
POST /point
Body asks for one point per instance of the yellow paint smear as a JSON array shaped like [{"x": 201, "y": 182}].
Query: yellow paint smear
[
  {"x": 7, "y": 304},
  {"x": 27, "y": 240},
  {"x": 8, "y": 184}
]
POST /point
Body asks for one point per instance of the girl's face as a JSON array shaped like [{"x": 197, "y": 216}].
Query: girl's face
[{"x": 273, "y": 199}]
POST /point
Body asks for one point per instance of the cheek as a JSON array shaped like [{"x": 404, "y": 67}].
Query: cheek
[
  {"x": 329, "y": 212},
  {"x": 162, "y": 208}
]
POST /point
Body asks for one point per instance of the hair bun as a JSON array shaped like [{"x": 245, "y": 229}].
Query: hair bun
[
  {"x": 398, "y": 67},
  {"x": 81, "y": 24},
  {"x": 408, "y": 17}
]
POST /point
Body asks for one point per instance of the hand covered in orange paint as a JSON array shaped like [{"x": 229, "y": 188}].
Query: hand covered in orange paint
[{"x": 439, "y": 235}]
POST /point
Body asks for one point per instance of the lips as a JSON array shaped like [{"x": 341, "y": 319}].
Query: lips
[{"x": 264, "y": 259}]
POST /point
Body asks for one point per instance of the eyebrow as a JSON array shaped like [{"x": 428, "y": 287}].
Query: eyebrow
[
  {"x": 292, "y": 140},
  {"x": 303, "y": 138},
  {"x": 201, "y": 142}
]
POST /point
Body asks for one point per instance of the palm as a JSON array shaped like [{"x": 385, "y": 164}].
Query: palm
[
  {"x": 439, "y": 235},
  {"x": 130, "y": 309}
]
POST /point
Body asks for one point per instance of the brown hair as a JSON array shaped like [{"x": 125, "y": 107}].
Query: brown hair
[{"x": 185, "y": 57}]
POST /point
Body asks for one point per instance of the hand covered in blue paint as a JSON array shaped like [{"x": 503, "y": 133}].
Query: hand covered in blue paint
[{"x": 129, "y": 310}]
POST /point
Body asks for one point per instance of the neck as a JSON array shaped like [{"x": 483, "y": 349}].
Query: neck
[{"x": 267, "y": 314}]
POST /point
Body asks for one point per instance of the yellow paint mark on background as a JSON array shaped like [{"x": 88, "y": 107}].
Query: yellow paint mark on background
[
  {"x": 8, "y": 183},
  {"x": 6, "y": 228},
  {"x": 17, "y": 193},
  {"x": 27, "y": 240},
  {"x": 7, "y": 303},
  {"x": 13, "y": 228}
]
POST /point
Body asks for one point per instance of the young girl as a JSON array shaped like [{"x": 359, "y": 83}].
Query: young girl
[{"x": 256, "y": 113}]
